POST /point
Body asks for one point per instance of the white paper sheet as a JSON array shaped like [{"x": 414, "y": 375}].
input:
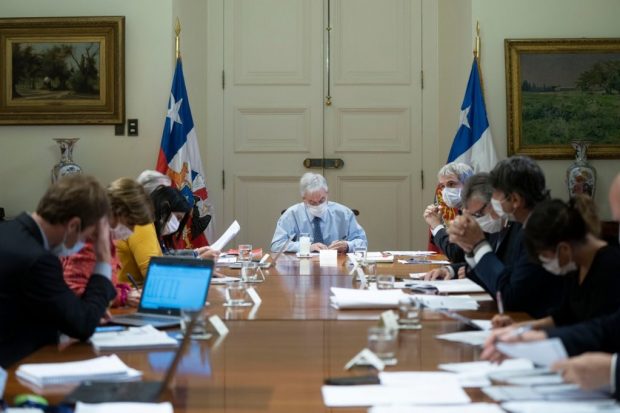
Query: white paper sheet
[
  {"x": 453, "y": 302},
  {"x": 469, "y": 408},
  {"x": 451, "y": 286},
  {"x": 601, "y": 406},
  {"x": 550, "y": 392},
  {"x": 472, "y": 338},
  {"x": 399, "y": 388},
  {"x": 542, "y": 353},
  {"x": 133, "y": 338},
  {"x": 328, "y": 258},
  {"x": 412, "y": 253},
  {"x": 349, "y": 298},
  {"x": 476, "y": 373},
  {"x": 124, "y": 407},
  {"x": 227, "y": 236}
]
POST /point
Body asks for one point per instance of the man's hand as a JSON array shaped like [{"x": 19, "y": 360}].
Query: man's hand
[
  {"x": 106, "y": 317},
  {"x": 465, "y": 232},
  {"x": 207, "y": 253},
  {"x": 507, "y": 335},
  {"x": 432, "y": 215},
  {"x": 462, "y": 273},
  {"x": 341, "y": 246},
  {"x": 441, "y": 273},
  {"x": 317, "y": 246},
  {"x": 101, "y": 239},
  {"x": 501, "y": 320},
  {"x": 590, "y": 371}
]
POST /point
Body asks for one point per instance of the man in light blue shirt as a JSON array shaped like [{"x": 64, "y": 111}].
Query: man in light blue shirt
[{"x": 330, "y": 224}]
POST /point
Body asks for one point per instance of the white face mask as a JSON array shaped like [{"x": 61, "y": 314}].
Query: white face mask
[
  {"x": 171, "y": 226},
  {"x": 553, "y": 265},
  {"x": 120, "y": 232},
  {"x": 61, "y": 250},
  {"x": 317, "y": 210},
  {"x": 497, "y": 207},
  {"x": 451, "y": 197},
  {"x": 488, "y": 224}
]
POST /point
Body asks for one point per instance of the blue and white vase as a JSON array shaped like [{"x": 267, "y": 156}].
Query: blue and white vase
[
  {"x": 580, "y": 175},
  {"x": 66, "y": 166}
]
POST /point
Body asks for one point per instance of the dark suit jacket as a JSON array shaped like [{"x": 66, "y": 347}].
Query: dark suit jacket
[
  {"x": 35, "y": 302},
  {"x": 525, "y": 286},
  {"x": 450, "y": 250}
]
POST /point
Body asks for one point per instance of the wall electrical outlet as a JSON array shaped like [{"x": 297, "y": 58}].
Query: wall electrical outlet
[{"x": 132, "y": 127}]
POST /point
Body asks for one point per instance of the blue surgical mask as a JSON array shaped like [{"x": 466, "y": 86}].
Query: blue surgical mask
[{"x": 61, "y": 250}]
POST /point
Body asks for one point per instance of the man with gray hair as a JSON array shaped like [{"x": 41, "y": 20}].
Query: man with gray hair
[
  {"x": 452, "y": 178},
  {"x": 331, "y": 225}
]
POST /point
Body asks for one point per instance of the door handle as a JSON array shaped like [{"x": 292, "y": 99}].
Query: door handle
[
  {"x": 313, "y": 163},
  {"x": 336, "y": 163}
]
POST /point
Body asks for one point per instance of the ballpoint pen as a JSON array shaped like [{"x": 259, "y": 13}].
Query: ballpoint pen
[
  {"x": 133, "y": 281},
  {"x": 500, "y": 303}
]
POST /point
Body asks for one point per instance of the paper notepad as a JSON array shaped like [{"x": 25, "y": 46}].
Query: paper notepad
[
  {"x": 100, "y": 368},
  {"x": 133, "y": 338}
]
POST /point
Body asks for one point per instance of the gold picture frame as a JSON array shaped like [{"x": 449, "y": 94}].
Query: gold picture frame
[
  {"x": 62, "y": 70},
  {"x": 561, "y": 90}
]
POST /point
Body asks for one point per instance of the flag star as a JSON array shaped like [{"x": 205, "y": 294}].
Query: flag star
[
  {"x": 464, "y": 117},
  {"x": 173, "y": 111}
]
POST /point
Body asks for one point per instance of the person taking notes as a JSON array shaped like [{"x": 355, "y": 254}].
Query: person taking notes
[{"x": 330, "y": 224}]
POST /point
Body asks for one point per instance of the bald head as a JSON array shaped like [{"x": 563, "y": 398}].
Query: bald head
[{"x": 614, "y": 198}]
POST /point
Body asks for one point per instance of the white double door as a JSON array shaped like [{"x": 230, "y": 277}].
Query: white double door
[{"x": 282, "y": 60}]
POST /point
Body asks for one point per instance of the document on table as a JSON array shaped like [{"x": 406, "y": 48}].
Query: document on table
[
  {"x": 476, "y": 373},
  {"x": 599, "y": 406},
  {"x": 547, "y": 392},
  {"x": 384, "y": 257},
  {"x": 451, "y": 286},
  {"x": 227, "y": 236},
  {"x": 468, "y": 408},
  {"x": 399, "y": 388},
  {"x": 412, "y": 253},
  {"x": 224, "y": 280},
  {"x": 473, "y": 338},
  {"x": 100, "y": 368},
  {"x": 454, "y": 302},
  {"x": 133, "y": 338},
  {"x": 350, "y": 298},
  {"x": 124, "y": 407},
  {"x": 542, "y": 353}
]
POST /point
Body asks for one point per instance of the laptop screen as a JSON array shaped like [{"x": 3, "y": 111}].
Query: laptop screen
[{"x": 176, "y": 283}]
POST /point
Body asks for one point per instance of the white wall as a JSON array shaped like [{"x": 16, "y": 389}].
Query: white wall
[
  {"x": 27, "y": 153},
  {"x": 500, "y": 19}
]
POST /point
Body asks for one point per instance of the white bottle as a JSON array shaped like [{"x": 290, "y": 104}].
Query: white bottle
[{"x": 304, "y": 244}]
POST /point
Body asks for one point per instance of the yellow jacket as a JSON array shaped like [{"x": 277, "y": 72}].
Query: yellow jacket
[{"x": 135, "y": 252}]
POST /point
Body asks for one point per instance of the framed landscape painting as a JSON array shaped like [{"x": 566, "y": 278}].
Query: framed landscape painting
[
  {"x": 65, "y": 70},
  {"x": 562, "y": 90}
]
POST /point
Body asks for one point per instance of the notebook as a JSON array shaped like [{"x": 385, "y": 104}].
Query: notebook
[
  {"x": 136, "y": 391},
  {"x": 171, "y": 283}
]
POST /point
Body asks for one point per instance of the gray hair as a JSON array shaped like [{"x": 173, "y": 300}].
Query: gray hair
[
  {"x": 311, "y": 182},
  {"x": 461, "y": 170},
  {"x": 150, "y": 180},
  {"x": 478, "y": 185}
]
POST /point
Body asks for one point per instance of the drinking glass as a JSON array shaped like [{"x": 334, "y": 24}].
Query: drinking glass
[
  {"x": 236, "y": 295},
  {"x": 409, "y": 314},
  {"x": 382, "y": 342},
  {"x": 245, "y": 252}
]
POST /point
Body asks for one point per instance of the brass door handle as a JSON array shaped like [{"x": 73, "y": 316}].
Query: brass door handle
[
  {"x": 336, "y": 163},
  {"x": 313, "y": 163}
]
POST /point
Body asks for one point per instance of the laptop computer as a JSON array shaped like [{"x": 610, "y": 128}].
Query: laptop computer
[
  {"x": 171, "y": 284},
  {"x": 133, "y": 391}
]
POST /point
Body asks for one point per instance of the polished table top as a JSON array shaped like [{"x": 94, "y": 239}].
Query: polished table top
[{"x": 276, "y": 358}]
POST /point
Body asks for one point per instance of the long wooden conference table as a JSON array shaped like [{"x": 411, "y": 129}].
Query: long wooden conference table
[{"x": 276, "y": 356}]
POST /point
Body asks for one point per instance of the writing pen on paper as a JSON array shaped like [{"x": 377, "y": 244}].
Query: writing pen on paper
[
  {"x": 500, "y": 303},
  {"x": 133, "y": 281}
]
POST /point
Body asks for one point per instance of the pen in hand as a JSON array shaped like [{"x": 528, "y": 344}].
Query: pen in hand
[
  {"x": 500, "y": 303},
  {"x": 133, "y": 281}
]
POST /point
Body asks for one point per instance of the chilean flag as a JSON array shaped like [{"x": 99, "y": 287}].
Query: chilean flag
[
  {"x": 179, "y": 158},
  {"x": 473, "y": 144}
]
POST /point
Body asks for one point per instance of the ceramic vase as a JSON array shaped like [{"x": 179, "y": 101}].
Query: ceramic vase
[
  {"x": 66, "y": 166},
  {"x": 580, "y": 175}
]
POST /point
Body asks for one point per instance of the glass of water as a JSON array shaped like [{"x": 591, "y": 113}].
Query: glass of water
[
  {"x": 382, "y": 342},
  {"x": 245, "y": 253},
  {"x": 199, "y": 331},
  {"x": 409, "y": 314},
  {"x": 236, "y": 295},
  {"x": 360, "y": 254}
]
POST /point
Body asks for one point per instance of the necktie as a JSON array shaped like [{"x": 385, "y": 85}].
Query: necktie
[{"x": 316, "y": 233}]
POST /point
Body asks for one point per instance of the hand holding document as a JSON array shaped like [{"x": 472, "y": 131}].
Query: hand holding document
[
  {"x": 227, "y": 236},
  {"x": 542, "y": 353}
]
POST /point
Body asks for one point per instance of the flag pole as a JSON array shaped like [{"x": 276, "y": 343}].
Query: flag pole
[
  {"x": 177, "y": 43},
  {"x": 477, "y": 55}
]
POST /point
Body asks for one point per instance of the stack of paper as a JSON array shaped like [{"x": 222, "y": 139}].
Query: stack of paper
[
  {"x": 450, "y": 286},
  {"x": 399, "y": 388},
  {"x": 100, "y": 368},
  {"x": 132, "y": 338},
  {"x": 599, "y": 406},
  {"x": 454, "y": 302},
  {"x": 123, "y": 407},
  {"x": 542, "y": 353},
  {"x": 349, "y": 298},
  {"x": 476, "y": 373},
  {"x": 473, "y": 338},
  {"x": 547, "y": 392}
]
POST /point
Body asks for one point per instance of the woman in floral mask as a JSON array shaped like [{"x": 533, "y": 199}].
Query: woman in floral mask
[
  {"x": 130, "y": 206},
  {"x": 563, "y": 238}
]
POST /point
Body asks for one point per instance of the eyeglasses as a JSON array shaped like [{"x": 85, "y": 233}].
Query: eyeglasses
[{"x": 480, "y": 213}]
